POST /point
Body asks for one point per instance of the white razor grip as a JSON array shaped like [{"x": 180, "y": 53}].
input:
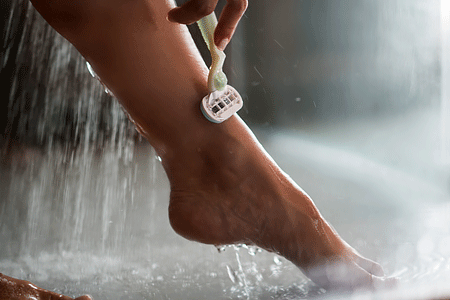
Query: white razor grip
[{"x": 220, "y": 105}]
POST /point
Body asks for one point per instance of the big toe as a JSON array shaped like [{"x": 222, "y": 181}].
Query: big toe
[
  {"x": 349, "y": 277},
  {"x": 386, "y": 283},
  {"x": 370, "y": 266}
]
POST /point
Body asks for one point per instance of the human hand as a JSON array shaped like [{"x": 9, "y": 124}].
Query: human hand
[{"x": 194, "y": 10}]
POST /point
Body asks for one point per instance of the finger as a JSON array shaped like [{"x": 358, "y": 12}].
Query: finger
[
  {"x": 229, "y": 18},
  {"x": 192, "y": 11}
]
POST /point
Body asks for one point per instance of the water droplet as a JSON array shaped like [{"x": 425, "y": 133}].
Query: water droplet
[
  {"x": 277, "y": 260},
  {"x": 314, "y": 102},
  {"x": 91, "y": 71},
  {"x": 238, "y": 247},
  {"x": 221, "y": 248},
  {"x": 108, "y": 91},
  {"x": 93, "y": 74},
  {"x": 298, "y": 99},
  {"x": 231, "y": 274},
  {"x": 253, "y": 250},
  {"x": 158, "y": 158},
  {"x": 278, "y": 44},
  {"x": 254, "y": 67}
]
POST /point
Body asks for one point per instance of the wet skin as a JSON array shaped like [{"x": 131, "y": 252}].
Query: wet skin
[
  {"x": 225, "y": 188},
  {"x": 15, "y": 289}
]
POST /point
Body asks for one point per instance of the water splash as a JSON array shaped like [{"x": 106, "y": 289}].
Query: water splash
[
  {"x": 232, "y": 274},
  {"x": 94, "y": 75},
  {"x": 251, "y": 250},
  {"x": 242, "y": 277},
  {"x": 69, "y": 177},
  {"x": 221, "y": 248}
]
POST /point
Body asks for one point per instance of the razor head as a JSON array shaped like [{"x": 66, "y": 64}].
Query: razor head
[{"x": 220, "y": 105}]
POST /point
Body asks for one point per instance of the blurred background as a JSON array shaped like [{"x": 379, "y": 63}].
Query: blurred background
[
  {"x": 322, "y": 61},
  {"x": 351, "y": 98}
]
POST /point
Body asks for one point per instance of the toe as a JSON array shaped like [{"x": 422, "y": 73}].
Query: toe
[
  {"x": 85, "y": 297},
  {"x": 365, "y": 279},
  {"x": 348, "y": 277},
  {"x": 385, "y": 283},
  {"x": 370, "y": 266}
]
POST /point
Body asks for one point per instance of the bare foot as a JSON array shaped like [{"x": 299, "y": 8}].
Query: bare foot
[
  {"x": 15, "y": 289},
  {"x": 227, "y": 190}
]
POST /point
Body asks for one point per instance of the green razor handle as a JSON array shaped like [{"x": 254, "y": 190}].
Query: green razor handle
[{"x": 217, "y": 80}]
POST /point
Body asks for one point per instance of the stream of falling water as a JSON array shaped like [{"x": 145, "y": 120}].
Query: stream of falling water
[
  {"x": 79, "y": 186},
  {"x": 67, "y": 151}
]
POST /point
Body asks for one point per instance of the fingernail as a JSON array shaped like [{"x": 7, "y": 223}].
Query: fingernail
[{"x": 223, "y": 44}]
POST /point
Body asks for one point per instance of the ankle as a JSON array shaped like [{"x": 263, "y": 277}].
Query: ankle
[{"x": 209, "y": 149}]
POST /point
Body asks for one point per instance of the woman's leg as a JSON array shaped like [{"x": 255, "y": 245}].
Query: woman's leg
[{"x": 224, "y": 187}]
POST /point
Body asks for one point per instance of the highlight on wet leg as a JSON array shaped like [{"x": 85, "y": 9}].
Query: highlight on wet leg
[{"x": 16, "y": 289}]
